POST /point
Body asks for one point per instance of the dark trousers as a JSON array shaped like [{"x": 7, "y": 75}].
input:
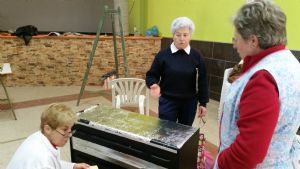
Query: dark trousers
[{"x": 177, "y": 110}]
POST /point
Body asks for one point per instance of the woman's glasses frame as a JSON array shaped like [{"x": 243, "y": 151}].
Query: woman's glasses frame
[{"x": 68, "y": 134}]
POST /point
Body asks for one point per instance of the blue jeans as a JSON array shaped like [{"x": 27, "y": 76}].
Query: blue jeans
[{"x": 177, "y": 110}]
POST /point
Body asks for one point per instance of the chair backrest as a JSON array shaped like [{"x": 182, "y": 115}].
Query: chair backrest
[{"x": 130, "y": 92}]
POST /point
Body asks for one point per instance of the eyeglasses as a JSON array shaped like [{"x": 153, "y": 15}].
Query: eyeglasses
[{"x": 68, "y": 134}]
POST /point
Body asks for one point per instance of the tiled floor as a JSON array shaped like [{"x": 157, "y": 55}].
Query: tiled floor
[{"x": 29, "y": 102}]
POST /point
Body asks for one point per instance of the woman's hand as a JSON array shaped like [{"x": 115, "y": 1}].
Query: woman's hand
[
  {"x": 81, "y": 166},
  {"x": 155, "y": 90},
  {"x": 201, "y": 111}
]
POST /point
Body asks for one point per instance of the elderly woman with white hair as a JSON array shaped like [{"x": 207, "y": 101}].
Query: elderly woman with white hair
[{"x": 178, "y": 77}]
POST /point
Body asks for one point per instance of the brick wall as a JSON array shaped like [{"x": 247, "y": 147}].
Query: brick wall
[{"x": 63, "y": 60}]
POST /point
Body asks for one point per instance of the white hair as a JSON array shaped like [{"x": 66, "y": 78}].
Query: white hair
[{"x": 182, "y": 22}]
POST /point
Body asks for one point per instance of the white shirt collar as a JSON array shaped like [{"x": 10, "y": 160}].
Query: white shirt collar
[{"x": 174, "y": 49}]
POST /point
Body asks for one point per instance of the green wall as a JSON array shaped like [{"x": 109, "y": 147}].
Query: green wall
[
  {"x": 137, "y": 15},
  {"x": 212, "y": 18},
  {"x": 292, "y": 11}
]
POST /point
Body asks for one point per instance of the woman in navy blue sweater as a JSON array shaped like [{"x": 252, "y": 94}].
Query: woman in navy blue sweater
[{"x": 178, "y": 77}]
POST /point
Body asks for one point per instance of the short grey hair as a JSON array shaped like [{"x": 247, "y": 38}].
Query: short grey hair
[
  {"x": 263, "y": 19},
  {"x": 182, "y": 22}
]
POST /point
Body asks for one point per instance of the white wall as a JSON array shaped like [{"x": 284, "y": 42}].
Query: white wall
[{"x": 54, "y": 15}]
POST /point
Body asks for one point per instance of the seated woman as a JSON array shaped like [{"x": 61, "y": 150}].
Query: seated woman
[{"x": 41, "y": 149}]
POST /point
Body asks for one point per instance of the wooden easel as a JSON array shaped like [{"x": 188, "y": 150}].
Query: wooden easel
[{"x": 112, "y": 13}]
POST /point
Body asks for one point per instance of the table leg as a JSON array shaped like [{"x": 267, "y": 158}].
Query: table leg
[{"x": 12, "y": 109}]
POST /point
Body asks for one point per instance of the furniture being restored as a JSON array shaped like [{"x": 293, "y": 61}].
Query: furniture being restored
[{"x": 113, "y": 138}]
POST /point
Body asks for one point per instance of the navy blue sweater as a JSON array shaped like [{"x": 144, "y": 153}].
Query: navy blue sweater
[{"x": 176, "y": 75}]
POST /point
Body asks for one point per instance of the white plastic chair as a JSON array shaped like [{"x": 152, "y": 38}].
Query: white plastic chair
[{"x": 131, "y": 92}]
